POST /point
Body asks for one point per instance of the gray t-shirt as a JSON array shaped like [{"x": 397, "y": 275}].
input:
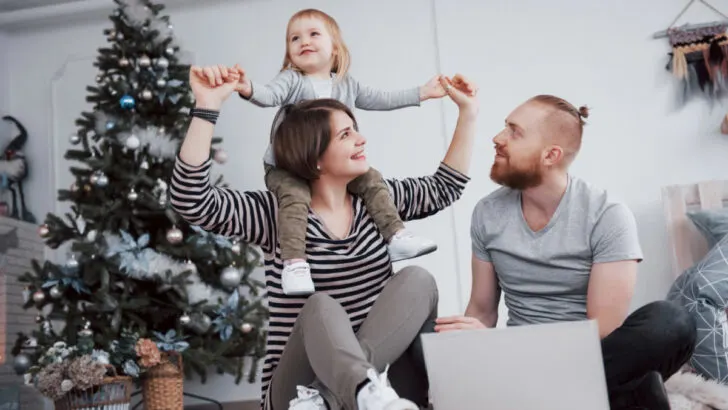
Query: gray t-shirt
[{"x": 544, "y": 275}]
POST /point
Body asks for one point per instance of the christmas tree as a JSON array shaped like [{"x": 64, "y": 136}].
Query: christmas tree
[{"x": 135, "y": 269}]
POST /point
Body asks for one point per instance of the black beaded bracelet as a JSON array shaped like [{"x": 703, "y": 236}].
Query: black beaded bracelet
[{"x": 205, "y": 114}]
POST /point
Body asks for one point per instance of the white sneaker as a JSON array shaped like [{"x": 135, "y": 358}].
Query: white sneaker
[
  {"x": 308, "y": 399},
  {"x": 379, "y": 395},
  {"x": 405, "y": 245},
  {"x": 296, "y": 279}
]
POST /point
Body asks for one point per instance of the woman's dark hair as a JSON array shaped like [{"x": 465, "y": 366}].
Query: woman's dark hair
[{"x": 302, "y": 132}]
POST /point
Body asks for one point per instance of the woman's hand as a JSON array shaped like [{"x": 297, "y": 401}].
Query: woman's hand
[
  {"x": 212, "y": 85},
  {"x": 463, "y": 92},
  {"x": 447, "y": 324}
]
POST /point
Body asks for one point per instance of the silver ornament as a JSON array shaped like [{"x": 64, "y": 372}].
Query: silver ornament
[
  {"x": 199, "y": 323},
  {"x": 161, "y": 83},
  {"x": 132, "y": 195},
  {"x": 144, "y": 61},
  {"x": 120, "y": 36},
  {"x": 85, "y": 333},
  {"x": 99, "y": 78},
  {"x": 246, "y": 327},
  {"x": 124, "y": 62},
  {"x": 230, "y": 277},
  {"x": 162, "y": 62},
  {"x": 72, "y": 263},
  {"x": 184, "y": 319},
  {"x": 94, "y": 178},
  {"x": 55, "y": 292},
  {"x": 174, "y": 236},
  {"x": 74, "y": 139},
  {"x": 169, "y": 51},
  {"x": 103, "y": 180},
  {"x": 38, "y": 296},
  {"x": 147, "y": 95},
  {"x": 21, "y": 364},
  {"x": 236, "y": 248},
  {"x": 43, "y": 231},
  {"x": 144, "y": 165},
  {"x": 74, "y": 187},
  {"x": 132, "y": 142}
]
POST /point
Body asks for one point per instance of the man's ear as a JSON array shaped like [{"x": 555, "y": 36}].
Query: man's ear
[{"x": 554, "y": 155}]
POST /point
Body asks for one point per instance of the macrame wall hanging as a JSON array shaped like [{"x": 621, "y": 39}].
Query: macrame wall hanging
[{"x": 699, "y": 57}]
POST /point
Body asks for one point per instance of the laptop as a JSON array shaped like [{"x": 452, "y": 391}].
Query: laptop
[{"x": 545, "y": 367}]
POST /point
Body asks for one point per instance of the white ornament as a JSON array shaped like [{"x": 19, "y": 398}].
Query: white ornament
[
  {"x": 161, "y": 83},
  {"x": 147, "y": 95},
  {"x": 174, "y": 236},
  {"x": 221, "y": 156},
  {"x": 230, "y": 277},
  {"x": 184, "y": 319},
  {"x": 132, "y": 142},
  {"x": 246, "y": 327},
  {"x": 162, "y": 62},
  {"x": 132, "y": 195},
  {"x": 103, "y": 180},
  {"x": 144, "y": 61},
  {"x": 236, "y": 248},
  {"x": 74, "y": 139},
  {"x": 55, "y": 292}
]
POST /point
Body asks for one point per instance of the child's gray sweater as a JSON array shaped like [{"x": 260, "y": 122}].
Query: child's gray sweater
[{"x": 290, "y": 87}]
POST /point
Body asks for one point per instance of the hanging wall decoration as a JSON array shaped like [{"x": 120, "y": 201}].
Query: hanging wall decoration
[{"x": 699, "y": 57}]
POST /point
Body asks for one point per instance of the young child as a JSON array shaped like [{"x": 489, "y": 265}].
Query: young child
[{"x": 316, "y": 65}]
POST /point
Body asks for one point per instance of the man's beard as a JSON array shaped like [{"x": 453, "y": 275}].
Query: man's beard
[{"x": 507, "y": 175}]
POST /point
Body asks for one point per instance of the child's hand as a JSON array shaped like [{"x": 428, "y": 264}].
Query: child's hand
[
  {"x": 244, "y": 86},
  {"x": 432, "y": 89}
]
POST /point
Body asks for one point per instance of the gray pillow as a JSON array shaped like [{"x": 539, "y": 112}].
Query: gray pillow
[
  {"x": 703, "y": 291},
  {"x": 712, "y": 223}
]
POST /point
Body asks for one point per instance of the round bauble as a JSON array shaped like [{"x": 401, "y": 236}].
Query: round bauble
[
  {"x": 162, "y": 63},
  {"x": 174, "y": 236},
  {"x": 144, "y": 165},
  {"x": 161, "y": 83},
  {"x": 184, "y": 319},
  {"x": 144, "y": 61},
  {"x": 102, "y": 181},
  {"x": 43, "y": 231},
  {"x": 132, "y": 195},
  {"x": 38, "y": 296},
  {"x": 246, "y": 327},
  {"x": 147, "y": 95},
  {"x": 169, "y": 51},
  {"x": 21, "y": 363},
  {"x": 132, "y": 142},
  {"x": 230, "y": 277},
  {"x": 127, "y": 102},
  {"x": 220, "y": 156},
  {"x": 124, "y": 62},
  {"x": 72, "y": 263},
  {"x": 236, "y": 248},
  {"x": 55, "y": 292},
  {"x": 94, "y": 178}
]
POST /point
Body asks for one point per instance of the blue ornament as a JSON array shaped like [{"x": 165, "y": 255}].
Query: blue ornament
[
  {"x": 110, "y": 125},
  {"x": 127, "y": 102}
]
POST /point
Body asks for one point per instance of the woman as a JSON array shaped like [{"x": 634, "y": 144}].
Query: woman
[{"x": 363, "y": 318}]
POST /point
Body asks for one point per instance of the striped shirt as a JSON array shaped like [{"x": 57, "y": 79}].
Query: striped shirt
[{"x": 352, "y": 270}]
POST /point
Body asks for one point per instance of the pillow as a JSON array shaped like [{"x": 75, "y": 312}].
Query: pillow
[
  {"x": 702, "y": 290},
  {"x": 712, "y": 223}
]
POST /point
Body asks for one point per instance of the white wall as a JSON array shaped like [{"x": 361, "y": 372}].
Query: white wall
[{"x": 591, "y": 53}]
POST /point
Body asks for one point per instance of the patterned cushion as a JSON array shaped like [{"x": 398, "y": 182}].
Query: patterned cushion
[
  {"x": 703, "y": 291},
  {"x": 712, "y": 223}
]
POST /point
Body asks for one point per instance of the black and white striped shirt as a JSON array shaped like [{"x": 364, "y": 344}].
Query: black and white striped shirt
[{"x": 352, "y": 270}]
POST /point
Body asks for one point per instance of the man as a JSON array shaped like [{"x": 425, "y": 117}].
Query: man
[{"x": 560, "y": 249}]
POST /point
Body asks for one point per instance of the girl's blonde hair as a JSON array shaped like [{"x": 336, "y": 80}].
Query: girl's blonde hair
[{"x": 342, "y": 59}]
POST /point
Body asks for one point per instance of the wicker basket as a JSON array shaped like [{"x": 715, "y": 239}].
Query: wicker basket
[
  {"x": 163, "y": 384},
  {"x": 114, "y": 393}
]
